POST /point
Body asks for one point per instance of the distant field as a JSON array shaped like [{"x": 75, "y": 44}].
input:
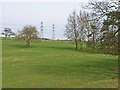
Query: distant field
[{"x": 56, "y": 64}]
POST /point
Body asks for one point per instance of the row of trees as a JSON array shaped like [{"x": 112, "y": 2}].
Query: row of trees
[
  {"x": 98, "y": 29},
  {"x": 80, "y": 28}
]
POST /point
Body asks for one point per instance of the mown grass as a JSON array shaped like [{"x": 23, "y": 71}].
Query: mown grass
[{"x": 56, "y": 64}]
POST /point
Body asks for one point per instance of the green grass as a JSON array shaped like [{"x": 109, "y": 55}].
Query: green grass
[{"x": 56, "y": 64}]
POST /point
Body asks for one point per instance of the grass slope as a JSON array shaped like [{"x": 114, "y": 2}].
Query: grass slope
[{"x": 53, "y": 64}]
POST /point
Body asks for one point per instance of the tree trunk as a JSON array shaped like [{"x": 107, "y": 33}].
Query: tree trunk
[
  {"x": 28, "y": 43},
  {"x": 76, "y": 44},
  {"x": 5, "y": 36},
  {"x": 93, "y": 41},
  {"x": 119, "y": 36}
]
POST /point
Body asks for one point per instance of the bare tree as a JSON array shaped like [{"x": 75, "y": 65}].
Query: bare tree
[
  {"x": 80, "y": 28},
  {"x": 72, "y": 31},
  {"x": 83, "y": 26},
  {"x": 87, "y": 28},
  {"x": 28, "y": 33}
]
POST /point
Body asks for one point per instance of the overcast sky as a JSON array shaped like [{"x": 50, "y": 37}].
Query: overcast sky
[{"x": 17, "y": 14}]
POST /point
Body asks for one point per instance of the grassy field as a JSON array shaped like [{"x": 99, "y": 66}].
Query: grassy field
[{"x": 56, "y": 64}]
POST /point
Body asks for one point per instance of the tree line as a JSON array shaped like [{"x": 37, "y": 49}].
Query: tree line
[{"x": 97, "y": 27}]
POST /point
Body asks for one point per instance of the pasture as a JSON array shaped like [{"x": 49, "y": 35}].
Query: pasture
[{"x": 56, "y": 64}]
